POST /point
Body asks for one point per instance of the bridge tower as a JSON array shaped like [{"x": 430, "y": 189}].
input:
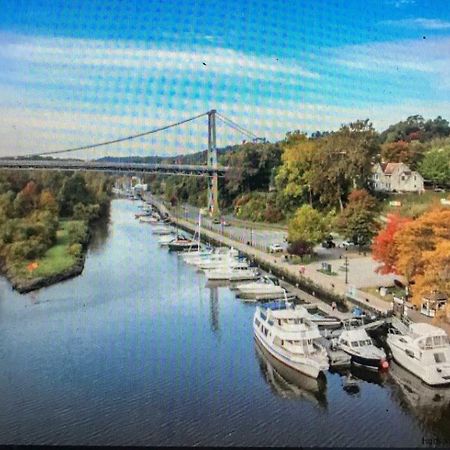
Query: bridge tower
[{"x": 213, "y": 185}]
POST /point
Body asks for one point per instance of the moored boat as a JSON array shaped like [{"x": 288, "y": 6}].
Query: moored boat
[
  {"x": 355, "y": 341},
  {"x": 288, "y": 335},
  {"x": 423, "y": 349}
]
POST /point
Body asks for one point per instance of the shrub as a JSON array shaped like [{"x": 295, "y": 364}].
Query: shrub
[
  {"x": 300, "y": 248},
  {"x": 75, "y": 250}
]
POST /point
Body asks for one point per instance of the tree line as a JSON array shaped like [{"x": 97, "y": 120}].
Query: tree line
[{"x": 33, "y": 205}]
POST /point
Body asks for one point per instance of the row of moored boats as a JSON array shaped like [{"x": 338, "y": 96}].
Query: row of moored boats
[{"x": 298, "y": 338}]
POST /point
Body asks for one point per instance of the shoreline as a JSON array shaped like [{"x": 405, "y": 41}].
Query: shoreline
[{"x": 24, "y": 286}]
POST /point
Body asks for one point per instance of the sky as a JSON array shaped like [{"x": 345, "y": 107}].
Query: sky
[{"x": 76, "y": 72}]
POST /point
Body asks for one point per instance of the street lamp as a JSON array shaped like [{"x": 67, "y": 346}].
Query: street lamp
[{"x": 346, "y": 269}]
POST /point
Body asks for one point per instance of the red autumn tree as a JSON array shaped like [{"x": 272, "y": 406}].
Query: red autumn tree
[{"x": 384, "y": 249}]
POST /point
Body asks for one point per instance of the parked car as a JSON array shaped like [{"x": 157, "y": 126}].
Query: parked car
[
  {"x": 438, "y": 189},
  {"x": 347, "y": 243},
  {"x": 275, "y": 248},
  {"x": 216, "y": 221}
]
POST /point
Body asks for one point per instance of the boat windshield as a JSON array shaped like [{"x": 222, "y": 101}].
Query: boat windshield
[
  {"x": 365, "y": 342},
  {"x": 355, "y": 344},
  {"x": 433, "y": 342}
]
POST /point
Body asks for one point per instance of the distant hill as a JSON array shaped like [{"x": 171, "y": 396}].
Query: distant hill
[{"x": 193, "y": 158}]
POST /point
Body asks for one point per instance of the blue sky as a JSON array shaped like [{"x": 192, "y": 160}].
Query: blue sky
[{"x": 78, "y": 72}]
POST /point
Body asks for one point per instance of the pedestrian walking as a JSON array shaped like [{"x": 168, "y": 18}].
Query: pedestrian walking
[{"x": 333, "y": 306}]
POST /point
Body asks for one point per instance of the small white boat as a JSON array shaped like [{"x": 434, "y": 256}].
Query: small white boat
[
  {"x": 422, "y": 349},
  {"x": 355, "y": 341},
  {"x": 196, "y": 256},
  {"x": 149, "y": 220},
  {"x": 161, "y": 231},
  {"x": 266, "y": 288},
  {"x": 287, "y": 334},
  {"x": 233, "y": 272},
  {"x": 166, "y": 239}
]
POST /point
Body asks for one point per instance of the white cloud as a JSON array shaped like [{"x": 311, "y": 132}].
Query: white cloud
[
  {"x": 115, "y": 56},
  {"x": 419, "y": 22},
  {"x": 429, "y": 57}
]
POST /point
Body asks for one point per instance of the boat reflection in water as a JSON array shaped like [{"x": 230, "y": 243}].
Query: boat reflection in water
[
  {"x": 431, "y": 405},
  {"x": 289, "y": 383}
]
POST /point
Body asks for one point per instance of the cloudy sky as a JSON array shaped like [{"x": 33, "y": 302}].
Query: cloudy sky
[{"x": 77, "y": 72}]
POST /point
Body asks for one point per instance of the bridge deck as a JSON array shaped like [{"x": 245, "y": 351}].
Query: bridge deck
[{"x": 60, "y": 164}]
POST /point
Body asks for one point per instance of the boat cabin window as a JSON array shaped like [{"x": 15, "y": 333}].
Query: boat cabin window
[
  {"x": 263, "y": 316},
  {"x": 434, "y": 341},
  {"x": 439, "y": 357},
  {"x": 355, "y": 344},
  {"x": 257, "y": 322},
  {"x": 365, "y": 342},
  {"x": 344, "y": 342}
]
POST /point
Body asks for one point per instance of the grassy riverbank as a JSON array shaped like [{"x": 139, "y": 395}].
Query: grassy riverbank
[{"x": 61, "y": 261}]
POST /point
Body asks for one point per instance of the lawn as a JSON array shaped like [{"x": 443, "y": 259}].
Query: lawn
[
  {"x": 398, "y": 292},
  {"x": 56, "y": 259},
  {"x": 413, "y": 204}
]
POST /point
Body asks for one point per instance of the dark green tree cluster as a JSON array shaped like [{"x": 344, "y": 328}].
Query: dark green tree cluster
[{"x": 33, "y": 204}]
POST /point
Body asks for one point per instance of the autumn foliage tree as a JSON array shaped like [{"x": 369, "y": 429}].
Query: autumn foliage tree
[
  {"x": 384, "y": 249},
  {"x": 419, "y": 250}
]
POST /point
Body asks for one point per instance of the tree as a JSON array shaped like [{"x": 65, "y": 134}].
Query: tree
[
  {"x": 417, "y": 241},
  {"x": 436, "y": 276},
  {"x": 308, "y": 224},
  {"x": 293, "y": 177},
  {"x": 384, "y": 249},
  {"x": 344, "y": 162},
  {"x": 48, "y": 202},
  {"x": 401, "y": 151},
  {"x": 358, "y": 220},
  {"x": 436, "y": 166},
  {"x": 300, "y": 248},
  {"x": 73, "y": 191}
]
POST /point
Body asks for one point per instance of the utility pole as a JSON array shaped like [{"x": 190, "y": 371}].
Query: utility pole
[
  {"x": 213, "y": 184},
  {"x": 346, "y": 269}
]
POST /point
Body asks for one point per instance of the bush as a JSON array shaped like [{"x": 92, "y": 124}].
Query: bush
[
  {"x": 300, "y": 248},
  {"x": 77, "y": 232},
  {"x": 75, "y": 250}
]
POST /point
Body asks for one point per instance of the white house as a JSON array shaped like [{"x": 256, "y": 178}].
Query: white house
[{"x": 396, "y": 177}]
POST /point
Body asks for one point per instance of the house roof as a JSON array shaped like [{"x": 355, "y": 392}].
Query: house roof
[
  {"x": 388, "y": 168},
  {"x": 436, "y": 296}
]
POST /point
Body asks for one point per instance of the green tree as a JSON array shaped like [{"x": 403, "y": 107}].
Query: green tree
[
  {"x": 343, "y": 162},
  {"x": 358, "y": 220},
  {"x": 436, "y": 166},
  {"x": 73, "y": 191},
  {"x": 308, "y": 225}
]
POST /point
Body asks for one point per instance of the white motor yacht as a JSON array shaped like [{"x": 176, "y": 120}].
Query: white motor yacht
[
  {"x": 233, "y": 272},
  {"x": 196, "y": 256},
  {"x": 217, "y": 261},
  {"x": 355, "y": 341},
  {"x": 422, "y": 349},
  {"x": 287, "y": 334},
  {"x": 266, "y": 288}
]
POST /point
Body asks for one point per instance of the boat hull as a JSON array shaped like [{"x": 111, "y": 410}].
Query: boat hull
[
  {"x": 181, "y": 247},
  {"x": 304, "y": 368},
  {"x": 417, "y": 369}
]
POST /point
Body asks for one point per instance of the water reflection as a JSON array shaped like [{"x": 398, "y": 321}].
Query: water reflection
[
  {"x": 288, "y": 383},
  {"x": 100, "y": 234},
  {"x": 429, "y": 404},
  {"x": 214, "y": 308}
]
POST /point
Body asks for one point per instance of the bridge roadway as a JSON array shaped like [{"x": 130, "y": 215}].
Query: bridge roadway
[{"x": 104, "y": 166}]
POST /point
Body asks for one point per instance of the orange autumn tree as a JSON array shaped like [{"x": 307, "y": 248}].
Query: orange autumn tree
[
  {"x": 384, "y": 249},
  {"x": 420, "y": 245}
]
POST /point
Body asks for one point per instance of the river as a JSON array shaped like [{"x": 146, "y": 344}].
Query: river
[{"x": 137, "y": 351}]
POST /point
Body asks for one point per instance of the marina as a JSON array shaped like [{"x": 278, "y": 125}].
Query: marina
[{"x": 207, "y": 382}]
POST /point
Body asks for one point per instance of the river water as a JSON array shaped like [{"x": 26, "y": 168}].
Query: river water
[{"x": 137, "y": 351}]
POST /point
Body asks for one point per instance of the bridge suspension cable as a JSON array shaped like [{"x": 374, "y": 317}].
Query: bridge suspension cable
[
  {"x": 236, "y": 126},
  {"x": 128, "y": 138}
]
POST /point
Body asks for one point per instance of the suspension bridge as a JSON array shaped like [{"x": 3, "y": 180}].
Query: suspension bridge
[{"x": 211, "y": 169}]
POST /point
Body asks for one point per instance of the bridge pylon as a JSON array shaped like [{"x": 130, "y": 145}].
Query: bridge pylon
[{"x": 213, "y": 185}]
